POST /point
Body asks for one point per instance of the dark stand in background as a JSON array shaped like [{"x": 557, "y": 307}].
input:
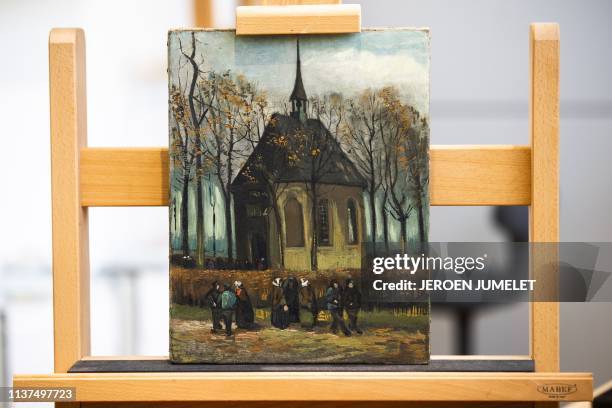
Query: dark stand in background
[{"x": 514, "y": 222}]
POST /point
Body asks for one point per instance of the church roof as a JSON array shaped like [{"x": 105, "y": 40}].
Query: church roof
[
  {"x": 332, "y": 166},
  {"x": 271, "y": 161}
]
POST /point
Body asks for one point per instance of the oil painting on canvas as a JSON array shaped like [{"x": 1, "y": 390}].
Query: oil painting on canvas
[{"x": 294, "y": 162}]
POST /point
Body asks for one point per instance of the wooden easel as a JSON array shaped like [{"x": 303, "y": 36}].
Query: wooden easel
[{"x": 84, "y": 177}]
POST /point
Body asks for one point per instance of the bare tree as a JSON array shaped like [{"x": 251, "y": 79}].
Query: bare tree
[
  {"x": 270, "y": 161},
  {"x": 417, "y": 157},
  {"x": 233, "y": 124},
  {"x": 197, "y": 113},
  {"x": 312, "y": 153},
  {"x": 384, "y": 201},
  {"x": 395, "y": 129},
  {"x": 329, "y": 109},
  {"x": 361, "y": 134},
  {"x": 182, "y": 158}
]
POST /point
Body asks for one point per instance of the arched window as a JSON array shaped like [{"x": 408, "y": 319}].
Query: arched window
[
  {"x": 323, "y": 236},
  {"x": 294, "y": 223},
  {"x": 351, "y": 222}
]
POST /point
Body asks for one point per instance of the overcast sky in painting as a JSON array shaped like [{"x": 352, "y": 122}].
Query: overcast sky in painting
[{"x": 345, "y": 64}]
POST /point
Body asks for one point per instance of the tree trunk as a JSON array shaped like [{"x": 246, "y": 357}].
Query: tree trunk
[
  {"x": 185, "y": 214},
  {"x": 421, "y": 221},
  {"x": 315, "y": 244},
  {"x": 403, "y": 233},
  {"x": 199, "y": 217},
  {"x": 385, "y": 216},
  {"x": 281, "y": 235},
  {"x": 228, "y": 201},
  {"x": 228, "y": 225},
  {"x": 214, "y": 235},
  {"x": 198, "y": 163},
  {"x": 372, "y": 197},
  {"x": 420, "y": 215}
]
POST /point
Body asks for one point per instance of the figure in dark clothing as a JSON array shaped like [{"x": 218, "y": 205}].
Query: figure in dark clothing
[
  {"x": 291, "y": 292},
  {"x": 352, "y": 304},
  {"x": 333, "y": 300},
  {"x": 245, "y": 317},
  {"x": 280, "y": 310},
  {"x": 309, "y": 306},
  {"x": 213, "y": 300},
  {"x": 228, "y": 304}
]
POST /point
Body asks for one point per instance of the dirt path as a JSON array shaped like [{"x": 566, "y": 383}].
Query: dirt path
[{"x": 192, "y": 341}]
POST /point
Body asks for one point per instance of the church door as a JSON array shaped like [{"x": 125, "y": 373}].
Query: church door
[{"x": 259, "y": 251}]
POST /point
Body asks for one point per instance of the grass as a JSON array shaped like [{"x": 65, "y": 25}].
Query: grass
[{"x": 186, "y": 312}]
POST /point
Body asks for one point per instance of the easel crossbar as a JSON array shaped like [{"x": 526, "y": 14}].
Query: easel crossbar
[{"x": 460, "y": 175}]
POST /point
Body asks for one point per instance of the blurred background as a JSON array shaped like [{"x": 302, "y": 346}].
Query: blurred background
[{"x": 479, "y": 95}]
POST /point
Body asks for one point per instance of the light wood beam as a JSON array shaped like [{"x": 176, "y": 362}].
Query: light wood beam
[
  {"x": 460, "y": 175},
  {"x": 544, "y": 208},
  {"x": 314, "y": 386},
  {"x": 203, "y": 13},
  {"x": 298, "y": 19},
  {"x": 69, "y": 219}
]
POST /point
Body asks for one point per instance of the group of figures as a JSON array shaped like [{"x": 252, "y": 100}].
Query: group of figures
[
  {"x": 297, "y": 302},
  {"x": 291, "y": 301},
  {"x": 223, "y": 304}
]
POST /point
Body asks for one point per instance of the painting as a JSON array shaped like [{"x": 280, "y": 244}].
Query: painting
[{"x": 295, "y": 161}]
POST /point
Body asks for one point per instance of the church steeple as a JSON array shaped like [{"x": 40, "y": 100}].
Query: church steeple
[{"x": 298, "y": 97}]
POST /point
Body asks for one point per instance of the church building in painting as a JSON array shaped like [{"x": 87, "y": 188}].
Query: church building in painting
[{"x": 298, "y": 173}]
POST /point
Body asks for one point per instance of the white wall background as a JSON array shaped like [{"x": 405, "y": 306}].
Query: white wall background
[{"x": 479, "y": 95}]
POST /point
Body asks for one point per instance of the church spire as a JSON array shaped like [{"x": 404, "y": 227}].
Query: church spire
[{"x": 298, "y": 97}]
